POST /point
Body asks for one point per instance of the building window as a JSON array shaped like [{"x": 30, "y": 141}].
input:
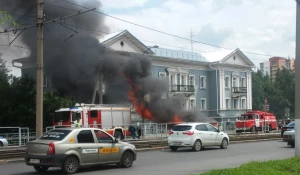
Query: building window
[
  {"x": 227, "y": 82},
  {"x": 162, "y": 75},
  {"x": 233, "y": 82},
  {"x": 273, "y": 62},
  {"x": 183, "y": 78},
  {"x": 243, "y": 82},
  {"x": 203, "y": 104},
  {"x": 192, "y": 103},
  {"x": 202, "y": 82},
  {"x": 235, "y": 103},
  {"x": 227, "y": 103},
  {"x": 243, "y": 103},
  {"x": 192, "y": 80}
]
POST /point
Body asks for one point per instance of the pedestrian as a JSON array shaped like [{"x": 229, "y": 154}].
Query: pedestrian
[
  {"x": 139, "y": 130},
  {"x": 132, "y": 131},
  {"x": 77, "y": 124}
]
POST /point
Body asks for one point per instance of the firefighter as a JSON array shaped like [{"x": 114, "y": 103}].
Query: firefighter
[{"x": 77, "y": 124}]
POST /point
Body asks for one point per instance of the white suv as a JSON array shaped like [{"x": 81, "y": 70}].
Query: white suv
[{"x": 197, "y": 136}]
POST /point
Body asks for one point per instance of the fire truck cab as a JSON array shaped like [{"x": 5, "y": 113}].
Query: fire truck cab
[
  {"x": 253, "y": 121},
  {"x": 111, "y": 118}
]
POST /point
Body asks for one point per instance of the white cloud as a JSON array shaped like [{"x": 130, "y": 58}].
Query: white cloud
[
  {"x": 121, "y": 4},
  {"x": 266, "y": 27}
]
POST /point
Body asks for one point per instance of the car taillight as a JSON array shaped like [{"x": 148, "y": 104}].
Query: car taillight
[
  {"x": 171, "y": 132},
  {"x": 51, "y": 148},
  {"x": 283, "y": 129},
  {"x": 188, "y": 133}
]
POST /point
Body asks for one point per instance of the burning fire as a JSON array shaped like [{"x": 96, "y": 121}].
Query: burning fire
[
  {"x": 176, "y": 119},
  {"x": 140, "y": 107}
]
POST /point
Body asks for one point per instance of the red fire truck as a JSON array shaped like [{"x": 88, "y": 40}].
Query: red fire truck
[
  {"x": 256, "y": 121},
  {"x": 111, "y": 118}
]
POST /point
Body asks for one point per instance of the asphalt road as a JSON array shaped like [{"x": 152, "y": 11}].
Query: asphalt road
[{"x": 182, "y": 162}]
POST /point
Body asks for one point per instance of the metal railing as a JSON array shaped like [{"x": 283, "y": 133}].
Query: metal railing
[
  {"x": 182, "y": 88},
  {"x": 239, "y": 89},
  {"x": 148, "y": 130}
]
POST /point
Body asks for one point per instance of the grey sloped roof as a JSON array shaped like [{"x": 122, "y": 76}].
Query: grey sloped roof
[{"x": 178, "y": 54}]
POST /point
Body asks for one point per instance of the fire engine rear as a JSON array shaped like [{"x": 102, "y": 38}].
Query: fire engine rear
[
  {"x": 111, "y": 118},
  {"x": 254, "y": 121}
]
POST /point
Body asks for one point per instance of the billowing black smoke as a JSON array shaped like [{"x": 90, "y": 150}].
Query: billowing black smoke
[{"x": 72, "y": 60}]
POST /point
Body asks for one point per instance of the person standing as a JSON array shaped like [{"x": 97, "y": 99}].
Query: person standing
[
  {"x": 139, "y": 130},
  {"x": 132, "y": 131}
]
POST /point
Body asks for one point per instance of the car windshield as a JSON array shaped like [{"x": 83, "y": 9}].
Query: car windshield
[
  {"x": 246, "y": 117},
  {"x": 62, "y": 116},
  {"x": 182, "y": 128},
  {"x": 55, "y": 135},
  {"x": 292, "y": 124}
]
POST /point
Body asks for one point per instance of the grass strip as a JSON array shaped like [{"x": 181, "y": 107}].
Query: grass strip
[{"x": 289, "y": 166}]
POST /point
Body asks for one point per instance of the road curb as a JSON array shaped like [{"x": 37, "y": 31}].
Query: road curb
[{"x": 152, "y": 149}]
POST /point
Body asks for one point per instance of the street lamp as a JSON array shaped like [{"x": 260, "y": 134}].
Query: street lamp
[{"x": 155, "y": 46}]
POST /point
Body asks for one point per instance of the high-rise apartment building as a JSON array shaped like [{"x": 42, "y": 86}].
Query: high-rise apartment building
[{"x": 270, "y": 67}]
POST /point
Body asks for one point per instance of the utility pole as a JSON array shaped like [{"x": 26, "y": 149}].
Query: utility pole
[
  {"x": 39, "y": 71},
  {"x": 297, "y": 82},
  {"x": 192, "y": 40}
]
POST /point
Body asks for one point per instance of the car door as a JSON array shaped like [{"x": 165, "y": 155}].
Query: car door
[
  {"x": 215, "y": 137},
  {"x": 202, "y": 134},
  {"x": 109, "y": 151},
  {"x": 87, "y": 147}
]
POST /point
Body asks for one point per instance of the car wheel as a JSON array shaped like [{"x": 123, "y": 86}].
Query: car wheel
[
  {"x": 118, "y": 135},
  {"x": 127, "y": 159},
  {"x": 197, "y": 145},
  {"x": 1, "y": 144},
  {"x": 173, "y": 148},
  {"x": 224, "y": 143},
  {"x": 41, "y": 169},
  {"x": 293, "y": 145},
  {"x": 71, "y": 165}
]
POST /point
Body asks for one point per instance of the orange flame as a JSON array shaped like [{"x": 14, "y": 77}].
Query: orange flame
[
  {"x": 140, "y": 107},
  {"x": 176, "y": 119}
]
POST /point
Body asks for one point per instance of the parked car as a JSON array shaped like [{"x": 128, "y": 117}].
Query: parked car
[
  {"x": 289, "y": 137},
  {"x": 290, "y": 126},
  {"x": 71, "y": 148},
  {"x": 3, "y": 142},
  {"x": 197, "y": 136}
]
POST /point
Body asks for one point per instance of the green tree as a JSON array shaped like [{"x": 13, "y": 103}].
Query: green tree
[
  {"x": 4, "y": 17},
  {"x": 257, "y": 90}
]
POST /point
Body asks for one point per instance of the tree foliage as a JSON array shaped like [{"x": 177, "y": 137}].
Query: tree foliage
[
  {"x": 280, "y": 92},
  {"x": 18, "y": 102},
  {"x": 4, "y": 17}
]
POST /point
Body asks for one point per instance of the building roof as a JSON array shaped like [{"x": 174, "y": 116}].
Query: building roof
[
  {"x": 176, "y": 54},
  {"x": 222, "y": 55},
  {"x": 217, "y": 55},
  {"x": 106, "y": 39}
]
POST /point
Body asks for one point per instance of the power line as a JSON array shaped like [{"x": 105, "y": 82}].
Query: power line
[
  {"x": 23, "y": 16},
  {"x": 162, "y": 32},
  {"x": 50, "y": 21}
]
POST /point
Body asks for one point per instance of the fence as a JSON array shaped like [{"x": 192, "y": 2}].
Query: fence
[
  {"x": 17, "y": 136},
  {"x": 21, "y": 135}
]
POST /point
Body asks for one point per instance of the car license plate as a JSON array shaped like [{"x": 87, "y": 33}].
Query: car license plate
[
  {"x": 176, "y": 143},
  {"x": 34, "y": 161}
]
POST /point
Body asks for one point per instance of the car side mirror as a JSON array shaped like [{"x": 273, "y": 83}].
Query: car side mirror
[
  {"x": 218, "y": 130},
  {"x": 116, "y": 140}
]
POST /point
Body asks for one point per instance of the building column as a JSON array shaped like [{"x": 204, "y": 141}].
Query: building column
[
  {"x": 248, "y": 76},
  {"x": 250, "y": 89},
  {"x": 221, "y": 89}
]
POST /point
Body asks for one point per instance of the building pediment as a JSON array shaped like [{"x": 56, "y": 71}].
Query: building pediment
[
  {"x": 124, "y": 41},
  {"x": 179, "y": 70}
]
